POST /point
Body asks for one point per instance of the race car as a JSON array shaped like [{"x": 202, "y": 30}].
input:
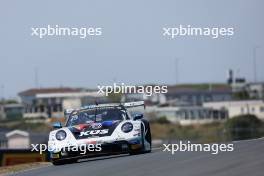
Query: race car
[{"x": 102, "y": 129}]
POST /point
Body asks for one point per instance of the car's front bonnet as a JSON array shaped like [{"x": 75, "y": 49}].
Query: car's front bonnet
[{"x": 93, "y": 130}]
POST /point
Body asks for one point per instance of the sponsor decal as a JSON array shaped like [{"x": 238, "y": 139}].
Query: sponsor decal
[
  {"x": 108, "y": 123},
  {"x": 91, "y": 142},
  {"x": 94, "y": 132},
  {"x": 96, "y": 126},
  {"x": 80, "y": 127}
]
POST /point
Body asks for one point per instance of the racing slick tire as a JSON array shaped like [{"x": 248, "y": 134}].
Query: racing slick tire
[
  {"x": 148, "y": 137},
  {"x": 145, "y": 137}
]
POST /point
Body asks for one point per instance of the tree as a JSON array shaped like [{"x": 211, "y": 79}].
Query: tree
[
  {"x": 115, "y": 97},
  {"x": 244, "y": 127},
  {"x": 242, "y": 95},
  {"x": 163, "y": 120}
]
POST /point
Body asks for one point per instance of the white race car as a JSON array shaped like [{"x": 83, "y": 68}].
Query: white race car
[{"x": 99, "y": 129}]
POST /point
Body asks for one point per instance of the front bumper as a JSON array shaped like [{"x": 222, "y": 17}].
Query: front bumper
[{"x": 116, "y": 147}]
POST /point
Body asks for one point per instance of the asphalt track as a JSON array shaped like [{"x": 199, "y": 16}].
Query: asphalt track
[{"x": 246, "y": 160}]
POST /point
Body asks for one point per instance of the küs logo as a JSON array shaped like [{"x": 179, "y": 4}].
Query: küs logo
[{"x": 93, "y": 132}]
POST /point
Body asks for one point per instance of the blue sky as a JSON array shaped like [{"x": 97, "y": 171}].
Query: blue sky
[{"x": 132, "y": 49}]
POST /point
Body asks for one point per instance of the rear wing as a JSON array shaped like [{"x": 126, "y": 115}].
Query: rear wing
[
  {"x": 134, "y": 104},
  {"x": 122, "y": 105}
]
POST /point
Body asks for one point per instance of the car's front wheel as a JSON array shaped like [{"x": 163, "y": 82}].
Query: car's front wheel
[{"x": 145, "y": 140}]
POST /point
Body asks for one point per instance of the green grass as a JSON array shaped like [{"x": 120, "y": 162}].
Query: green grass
[
  {"x": 236, "y": 128},
  {"x": 201, "y": 133}
]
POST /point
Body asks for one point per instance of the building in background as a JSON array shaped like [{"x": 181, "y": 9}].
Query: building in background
[
  {"x": 255, "y": 90},
  {"x": 186, "y": 95},
  {"x": 18, "y": 139},
  {"x": 196, "y": 96},
  {"x": 242, "y": 107},
  {"x": 11, "y": 111},
  {"x": 154, "y": 99},
  {"x": 237, "y": 83},
  {"x": 51, "y": 102},
  {"x": 3, "y": 140},
  {"x": 189, "y": 115}
]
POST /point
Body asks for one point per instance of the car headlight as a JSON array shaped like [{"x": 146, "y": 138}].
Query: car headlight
[
  {"x": 127, "y": 127},
  {"x": 61, "y": 135}
]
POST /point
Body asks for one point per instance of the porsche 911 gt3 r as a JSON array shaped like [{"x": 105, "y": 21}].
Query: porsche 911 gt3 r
[{"x": 103, "y": 129}]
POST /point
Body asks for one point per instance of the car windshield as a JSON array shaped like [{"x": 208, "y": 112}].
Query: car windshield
[{"x": 95, "y": 115}]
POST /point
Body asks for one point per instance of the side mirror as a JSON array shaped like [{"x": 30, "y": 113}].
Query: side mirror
[
  {"x": 57, "y": 125},
  {"x": 138, "y": 116}
]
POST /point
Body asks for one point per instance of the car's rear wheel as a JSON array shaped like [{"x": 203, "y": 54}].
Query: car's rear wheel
[{"x": 148, "y": 137}]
